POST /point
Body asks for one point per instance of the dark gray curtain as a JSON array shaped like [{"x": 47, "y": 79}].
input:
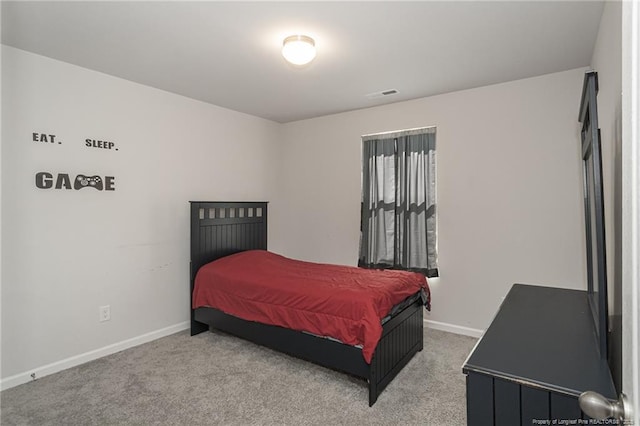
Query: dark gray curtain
[{"x": 398, "y": 201}]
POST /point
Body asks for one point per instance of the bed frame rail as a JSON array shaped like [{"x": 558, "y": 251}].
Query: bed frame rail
[{"x": 401, "y": 340}]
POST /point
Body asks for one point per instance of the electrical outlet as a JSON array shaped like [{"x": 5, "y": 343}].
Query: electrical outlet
[{"x": 105, "y": 313}]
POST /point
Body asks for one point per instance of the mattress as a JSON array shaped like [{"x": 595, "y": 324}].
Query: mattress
[{"x": 341, "y": 302}]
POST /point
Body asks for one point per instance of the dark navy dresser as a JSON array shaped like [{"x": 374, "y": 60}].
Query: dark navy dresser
[{"x": 537, "y": 356}]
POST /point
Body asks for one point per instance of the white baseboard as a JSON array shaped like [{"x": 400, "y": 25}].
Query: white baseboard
[
  {"x": 64, "y": 364},
  {"x": 451, "y": 328}
]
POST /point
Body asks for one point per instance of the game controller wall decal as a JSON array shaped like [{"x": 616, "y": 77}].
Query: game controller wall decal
[
  {"x": 45, "y": 180},
  {"x": 83, "y": 181}
]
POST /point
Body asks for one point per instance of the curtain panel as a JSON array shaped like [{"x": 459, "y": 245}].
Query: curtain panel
[{"x": 398, "y": 222}]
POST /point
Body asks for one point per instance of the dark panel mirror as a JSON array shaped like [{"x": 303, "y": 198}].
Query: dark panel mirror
[{"x": 594, "y": 209}]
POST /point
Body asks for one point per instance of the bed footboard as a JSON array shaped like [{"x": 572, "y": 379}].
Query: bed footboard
[{"x": 402, "y": 338}]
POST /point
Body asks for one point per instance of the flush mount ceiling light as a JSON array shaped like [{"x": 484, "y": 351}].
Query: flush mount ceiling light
[{"x": 299, "y": 49}]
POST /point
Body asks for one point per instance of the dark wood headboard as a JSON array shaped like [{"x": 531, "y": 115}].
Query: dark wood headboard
[{"x": 220, "y": 228}]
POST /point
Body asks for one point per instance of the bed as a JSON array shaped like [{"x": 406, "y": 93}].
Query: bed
[{"x": 223, "y": 231}]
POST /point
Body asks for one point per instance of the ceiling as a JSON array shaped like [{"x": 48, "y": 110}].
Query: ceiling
[{"x": 228, "y": 53}]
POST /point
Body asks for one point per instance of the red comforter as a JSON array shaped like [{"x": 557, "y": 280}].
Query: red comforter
[{"x": 343, "y": 302}]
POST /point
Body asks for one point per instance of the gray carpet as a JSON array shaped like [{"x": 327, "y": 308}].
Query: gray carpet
[{"x": 213, "y": 378}]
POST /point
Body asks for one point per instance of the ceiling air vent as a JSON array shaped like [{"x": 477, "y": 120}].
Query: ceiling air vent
[{"x": 382, "y": 94}]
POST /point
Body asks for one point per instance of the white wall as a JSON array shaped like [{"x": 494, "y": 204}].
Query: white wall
[
  {"x": 509, "y": 190},
  {"x": 607, "y": 61},
  {"x": 67, "y": 252}
]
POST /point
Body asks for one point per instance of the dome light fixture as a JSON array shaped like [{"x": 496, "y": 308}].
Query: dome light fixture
[{"x": 299, "y": 49}]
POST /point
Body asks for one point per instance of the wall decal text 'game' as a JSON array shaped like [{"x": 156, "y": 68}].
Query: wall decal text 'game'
[{"x": 46, "y": 180}]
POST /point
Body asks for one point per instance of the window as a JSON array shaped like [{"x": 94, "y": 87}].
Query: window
[{"x": 398, "y": 219}]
